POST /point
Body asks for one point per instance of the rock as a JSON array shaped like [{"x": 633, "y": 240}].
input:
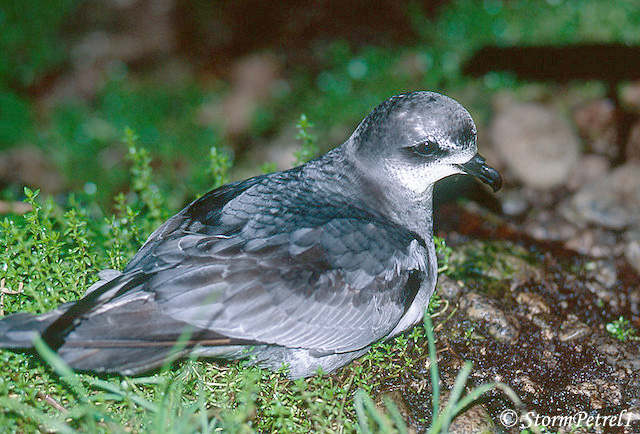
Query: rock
[
  {"x": 573, "y": 329},
  {"x": 398, "y": 399},
  {"x": 474, "y": 420},
  {"x": 501, "y": 326},
  {"x": 611, "y": 201},
  {"x": 632, "y": 150},
  {"x": 632, "y": 251},
  {"x": 549, "y": 226},
  {"x": 447, "y": 288},
  {"x": 535, "y": 143},
  {"x": 589, "y": 168},
  {"x": 596, "y": 122}
]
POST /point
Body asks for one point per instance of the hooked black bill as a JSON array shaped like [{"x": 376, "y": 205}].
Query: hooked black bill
[{"x": 478, "y": 167}]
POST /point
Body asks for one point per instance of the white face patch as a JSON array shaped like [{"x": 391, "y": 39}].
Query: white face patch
[
  {"x": 460, "y": 156},
  {"x": 419, "y": 178}
]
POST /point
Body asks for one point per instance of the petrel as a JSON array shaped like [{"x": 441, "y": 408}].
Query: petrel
[{"x": 307, "y": 267}]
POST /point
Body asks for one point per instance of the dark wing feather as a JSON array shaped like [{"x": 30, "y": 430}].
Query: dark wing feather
[{"x": 133, "y": 337}]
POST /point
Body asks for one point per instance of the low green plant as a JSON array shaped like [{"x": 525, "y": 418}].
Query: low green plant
[
  {"x": 219, "y": 165},
  {"x": 148, "y": 193},
  {"x": 49, "y": 256},
  {"x": 268, "y": 167},
  {"x": 308, "y": 148},
  {"x": 622, "y": 329},
  {"x": 443, "y": 253}
]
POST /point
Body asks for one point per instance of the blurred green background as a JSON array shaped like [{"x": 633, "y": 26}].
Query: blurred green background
[{"x": 186, "y": 76}]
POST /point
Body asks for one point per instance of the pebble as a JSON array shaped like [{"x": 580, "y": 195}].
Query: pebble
[
  {"x": 534, "y": 302},
  {"x": 596, "y": 123},
  {"x": 632, "y": 253},
  {"x": 611, "y": 201},
  {"x": 447, "y": 288},
  {"x": 573, "y": 329},
  {"x": 589, "y": 168},
  {"x": 603, "y": 271},
  {"x": 595, "y": 242},
  {"x": 501, "y": 326},
  {"x": 514, "y": 203},
  {"x": 549, "y": 226}
]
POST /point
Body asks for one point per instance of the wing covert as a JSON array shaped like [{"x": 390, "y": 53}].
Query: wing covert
[
  {"x": 256, "y": 261},
  {"x": 334, "y": 288}
]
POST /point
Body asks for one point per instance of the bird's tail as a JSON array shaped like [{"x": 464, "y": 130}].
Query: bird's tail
[{"x": 18, "y": 331}]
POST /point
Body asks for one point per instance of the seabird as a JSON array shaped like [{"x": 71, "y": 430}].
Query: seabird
[{"x": 306, "y": 267}]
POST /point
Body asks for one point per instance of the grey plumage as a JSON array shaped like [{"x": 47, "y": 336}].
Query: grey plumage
[{"x": 307, "y": 267}]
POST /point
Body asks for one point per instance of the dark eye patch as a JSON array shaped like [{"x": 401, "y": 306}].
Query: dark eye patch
[{"x": 429, "y": 148}]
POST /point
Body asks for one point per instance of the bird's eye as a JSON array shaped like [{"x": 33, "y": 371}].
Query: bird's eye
[{"x": 428, "y": 148}]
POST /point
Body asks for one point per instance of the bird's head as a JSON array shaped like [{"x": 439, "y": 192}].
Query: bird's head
[{"x": 415, "y": 139}]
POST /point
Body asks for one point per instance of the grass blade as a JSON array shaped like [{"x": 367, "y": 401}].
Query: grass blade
[{"x": 433, "y": 365}]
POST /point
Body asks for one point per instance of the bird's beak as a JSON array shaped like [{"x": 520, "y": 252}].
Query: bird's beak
[{"x": 478, "y": 167}]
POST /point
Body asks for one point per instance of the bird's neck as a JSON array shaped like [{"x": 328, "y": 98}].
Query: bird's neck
[
  {"x": 413, "y": 211},
  {"x": 408, "y": 209}
]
